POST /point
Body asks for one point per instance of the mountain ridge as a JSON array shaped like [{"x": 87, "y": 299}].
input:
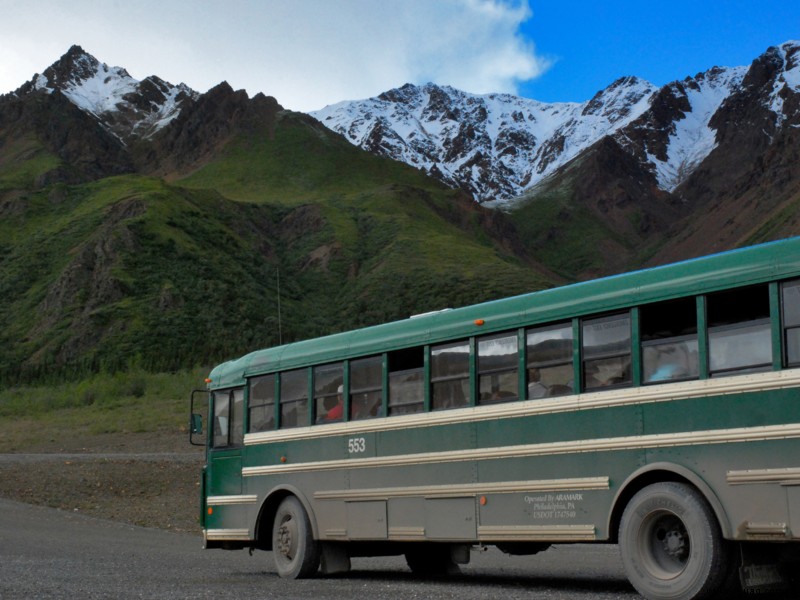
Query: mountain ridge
[
  {"x": 144, "y": 224},
  {"x": 128, "y": 247},
  {"x": 416, "y": 124},
  {"x": 487, "y": 145},
  {"x": 652, "y": 174}
]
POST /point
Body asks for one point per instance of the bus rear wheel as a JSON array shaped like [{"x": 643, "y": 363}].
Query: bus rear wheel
[
  {"x": 671, "y": 544},
  {"x": 296, "y": 553}
]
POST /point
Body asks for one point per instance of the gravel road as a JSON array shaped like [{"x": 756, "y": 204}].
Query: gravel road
[{"x": 48, "y": 553}]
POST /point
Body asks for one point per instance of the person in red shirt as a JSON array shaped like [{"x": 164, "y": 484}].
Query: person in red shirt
[{"x": 336, "y": 412}]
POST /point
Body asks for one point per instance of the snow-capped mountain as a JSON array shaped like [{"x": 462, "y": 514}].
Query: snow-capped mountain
[
  {"x": 647, "y": 169},
  {"x": 497, "y": 146},
  {"x": 689, "y": 135},
  {"x": 494, "y": 145},
  {"x": 125, "y": 106}
]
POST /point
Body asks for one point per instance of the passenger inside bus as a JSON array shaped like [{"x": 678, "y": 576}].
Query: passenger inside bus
[
  {"x": 366, "y": 405},
  {"x": 536, "y": 389},
  {"x": 336, "y": 412}
]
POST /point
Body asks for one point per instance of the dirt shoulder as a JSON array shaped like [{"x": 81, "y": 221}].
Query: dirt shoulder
[{"x": 148, "y": 479}]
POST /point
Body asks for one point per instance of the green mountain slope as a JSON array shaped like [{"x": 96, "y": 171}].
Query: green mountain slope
[
  {"x": 165, "y": 272},
  {"x": 598, "y": 215}
]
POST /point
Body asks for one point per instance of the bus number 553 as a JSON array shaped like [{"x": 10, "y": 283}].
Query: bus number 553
[{"x": 356, "y": 445}]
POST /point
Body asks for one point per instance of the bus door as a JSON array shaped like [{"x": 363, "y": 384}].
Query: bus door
[
  {"x": 225, "y": 517},
  {"x": 224, "y": 469},
  {"x": 221, "y": 513}
]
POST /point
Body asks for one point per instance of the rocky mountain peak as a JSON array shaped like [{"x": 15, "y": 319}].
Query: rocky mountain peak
[
  {"x": 75, "y": 67},
  {"x": 127, "y": 108},
  {"x": 617, "y": 100}
]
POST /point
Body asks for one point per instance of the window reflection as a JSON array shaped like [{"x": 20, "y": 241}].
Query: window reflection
[
  {"x": 607, "y": 351},
  {"x": 450, "y": 375},
  {"x": 497, "y": 369},
  {"x": 294, "y": 398},
  {"x": 739, "y": 332},
  {"x": 550, "y": 371},
  {"x": 222, "y": 412},
  {"x": 669, "y": 341},
  {"x": 262, "y": 403},
  {"x": 366, "y": 387},
  {"x": 406, "y": 381},
  {"x": 790, "y": 302}
]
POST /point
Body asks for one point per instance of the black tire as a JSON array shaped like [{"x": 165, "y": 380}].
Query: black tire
[
  {"x": 671, "y": 544},
  {"x": 431, "y": 560},
  {"x": 296, "y": 553}
]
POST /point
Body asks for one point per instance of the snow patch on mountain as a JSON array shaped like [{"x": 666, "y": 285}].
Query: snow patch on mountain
[
  {"x": 99, "y": 90},
  {"x": 790, "y": 52},
  {"x": 789, "y": 55},
  {"x": 693, "y": 139},
  {"x": 609, "y": 111}
]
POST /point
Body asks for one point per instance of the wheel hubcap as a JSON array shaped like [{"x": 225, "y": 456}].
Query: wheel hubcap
[
  {"x": 664, "y": 544},
  {"x": 286, "y": 537},
  {"x": 675, "y": 543}
]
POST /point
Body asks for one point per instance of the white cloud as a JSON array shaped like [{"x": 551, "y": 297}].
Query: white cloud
[{"x": 306, "y": 53}]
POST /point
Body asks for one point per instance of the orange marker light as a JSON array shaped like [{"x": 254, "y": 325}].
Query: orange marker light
[
  {"x": 283, "y": 459},
  {"x": 210, "y": 510},
  {"x": 207, "y": 380},
  {"x": 479, "y": 322},
  {"x": 483, "y": 500}
]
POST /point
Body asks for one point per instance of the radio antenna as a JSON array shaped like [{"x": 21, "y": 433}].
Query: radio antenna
[{"x": 280, "y": 331}]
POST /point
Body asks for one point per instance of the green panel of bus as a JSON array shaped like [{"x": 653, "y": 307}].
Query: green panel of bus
[{"x": 658, "y": 410}]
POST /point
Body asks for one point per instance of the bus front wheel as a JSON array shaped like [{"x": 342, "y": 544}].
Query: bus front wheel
[
  {"x": 671, "y": 544},
  {"x": 296, "y": 553}
]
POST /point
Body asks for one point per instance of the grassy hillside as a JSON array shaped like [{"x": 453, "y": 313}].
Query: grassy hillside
[
  {"x": 567, "y": 236},
  {"x": 382, "y": 240},
  {"x": 596, "y": 216},
  {"x": 297, "y": 162},
  {"x": 133, "y": 272}
]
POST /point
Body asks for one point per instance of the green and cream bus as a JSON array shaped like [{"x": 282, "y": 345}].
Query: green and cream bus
[{"x": 659, "y": 410}]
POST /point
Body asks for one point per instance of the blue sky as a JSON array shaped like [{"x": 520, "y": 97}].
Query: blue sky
[
  {"x": 593, "y": 43},
  {"x": 309, "y": 53}
]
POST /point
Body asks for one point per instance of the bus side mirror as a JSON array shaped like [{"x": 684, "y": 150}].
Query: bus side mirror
[
  {"x": 196, "y": 418},
  {"x": 196, "y": 425}
]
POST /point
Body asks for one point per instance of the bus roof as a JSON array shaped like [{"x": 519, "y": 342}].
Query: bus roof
[{"x": 746, "y": 266}]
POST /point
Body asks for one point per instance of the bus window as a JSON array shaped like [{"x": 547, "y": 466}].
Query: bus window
[
  {"x": 406, "y": 381},
  {"x": 366, "y": 387},
  {"x": 328, "y": 402},
  {"x": 739, "y": 332},
  {"x": 607, "y": 351},
  {"x": 791, "y": 322},
  {"x": 669, "y": 341},
  {"x": 237, "y": 417},
  {"x": 497, "y": 368},
  {"x": 450, "y": 375},
  {"x": 294, "y": 398},
  {"x": 222, "y": 414},
  {"x": 262, "y": 404},
  {"x": 228, "y": 418},
  {"x": 550, "y": 371}
]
